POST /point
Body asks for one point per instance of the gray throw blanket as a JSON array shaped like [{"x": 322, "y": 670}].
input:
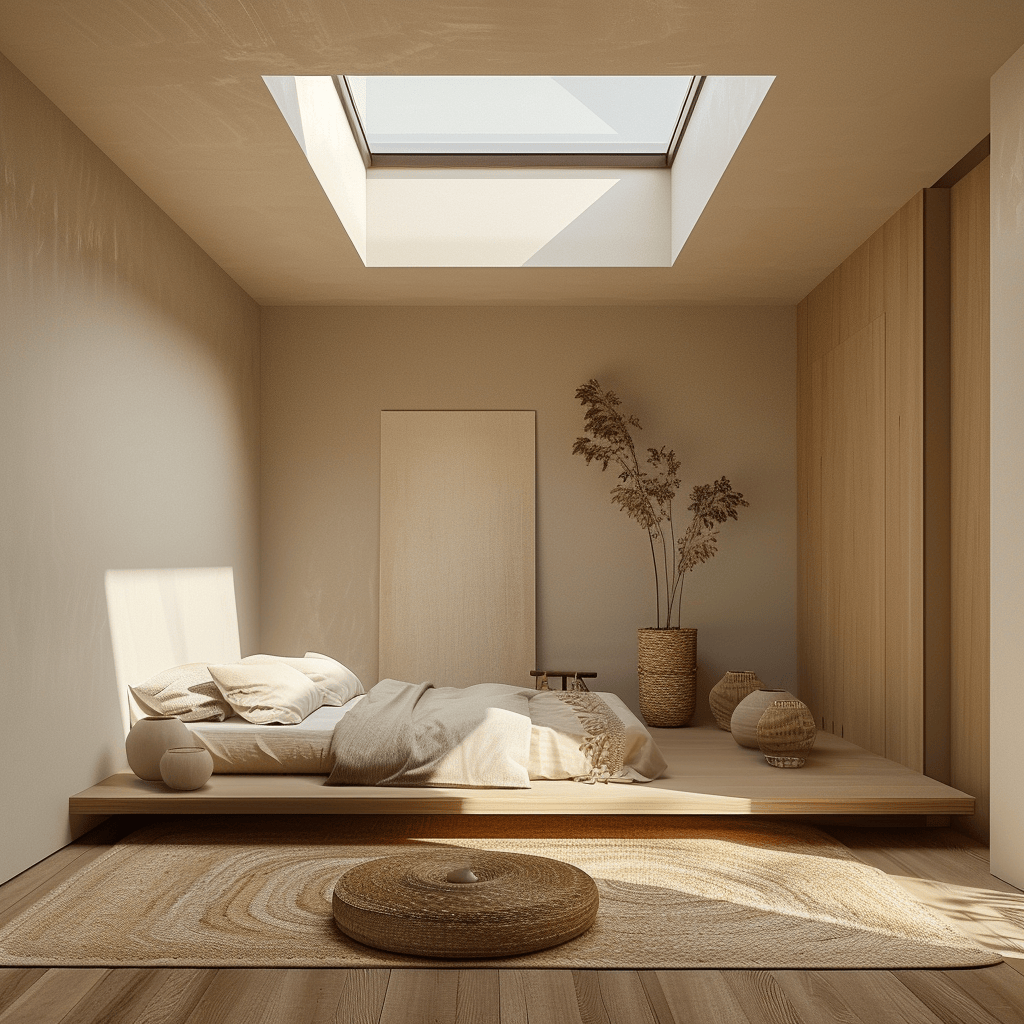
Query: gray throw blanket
[{"x": 403, "y": 734}]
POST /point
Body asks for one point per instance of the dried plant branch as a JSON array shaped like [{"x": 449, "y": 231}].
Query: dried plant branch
[{"x": 646, "y": 494}]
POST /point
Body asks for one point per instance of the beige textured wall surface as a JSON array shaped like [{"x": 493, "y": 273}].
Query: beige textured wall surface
[
  {"x": 129, "y": 419},
  {"x": 717, "y": 384}
]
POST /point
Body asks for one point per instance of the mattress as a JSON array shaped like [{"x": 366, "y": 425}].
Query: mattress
[{"x": 240, "y": 748}]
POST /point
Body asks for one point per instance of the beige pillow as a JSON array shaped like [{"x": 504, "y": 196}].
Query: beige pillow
[
  {"x": 267, "y": 692},
  {"x": 187, "y": 692},
  {"x": 337, "y": 684}
]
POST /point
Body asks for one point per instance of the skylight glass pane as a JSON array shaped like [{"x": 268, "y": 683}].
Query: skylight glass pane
[{"x": 505, "y": 114}]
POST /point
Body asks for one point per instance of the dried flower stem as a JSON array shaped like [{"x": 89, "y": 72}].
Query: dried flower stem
[{"x": 646, "y": 496}]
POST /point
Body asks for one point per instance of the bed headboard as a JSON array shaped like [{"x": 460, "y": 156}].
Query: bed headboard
[{"x": 165, "y": 617}]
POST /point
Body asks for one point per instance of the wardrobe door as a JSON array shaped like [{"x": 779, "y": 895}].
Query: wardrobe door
[{"x": 457, "y": 561}]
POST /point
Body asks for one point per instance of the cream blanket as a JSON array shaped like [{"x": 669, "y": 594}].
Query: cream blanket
[{"x": 402, "y": 734}]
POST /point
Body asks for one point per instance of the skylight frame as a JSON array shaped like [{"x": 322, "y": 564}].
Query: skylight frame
[{"x": 660, "y": 159}]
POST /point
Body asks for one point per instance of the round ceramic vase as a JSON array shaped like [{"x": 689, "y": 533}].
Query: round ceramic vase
[
  {"x": 147, "y": 741},
  {"x": 748, "y": 713},
  {"x": 785, "y": 733},
  {"x": 186, "y": 767},
  {"x": 728, "y": 692}
]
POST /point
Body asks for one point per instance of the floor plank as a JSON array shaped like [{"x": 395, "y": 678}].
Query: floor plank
[
  {"x": 878, "y": 996},
  {"x": 268, "y": 996},
  {"x": 142, "y": 996},
  {"x": 512, "y": 997},
  {"x": 330, "y": 997},
  {"x": 999, "y": 989},
  {"x": 762, "y": 998},
  {"x": 53, "y": 996},
  {"x": 948, "y": 1002},
  {"x": 478, "y": 999},
  {"x": 550, "y": 998},
  {"x": 421, "y": 997},
  {"x": 15, "y": 980},
  {"x": 588, "y": 997},
  {"x": 701, "y": 996},
  {"x": 656, "y": 998},
  {"x": 625, "y": 998},
  {"x": 815, "y": 1000}
]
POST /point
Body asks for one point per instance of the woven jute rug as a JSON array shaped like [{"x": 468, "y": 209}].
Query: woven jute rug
[{"x": 256, "y": 892}]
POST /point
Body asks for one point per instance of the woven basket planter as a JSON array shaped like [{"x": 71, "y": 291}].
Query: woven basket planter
[{"x": 667, "y": 671}]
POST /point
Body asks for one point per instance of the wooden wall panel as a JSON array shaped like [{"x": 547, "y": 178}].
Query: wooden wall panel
[
  {"x": 970, "y": 493},
  {"x": 850, "y": 415},
  {"x": 903, "y": 254},
  {"x": 457, "y": 561},
  {"x": 860, "y": 437}
]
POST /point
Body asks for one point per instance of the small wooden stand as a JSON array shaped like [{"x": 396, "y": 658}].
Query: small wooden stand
[{"x": 542, "y": 676}]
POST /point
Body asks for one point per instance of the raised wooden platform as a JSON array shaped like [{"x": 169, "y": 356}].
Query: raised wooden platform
[{"x": 708, "y": 774}]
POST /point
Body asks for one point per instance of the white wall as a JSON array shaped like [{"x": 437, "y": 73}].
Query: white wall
[
  {"x": 1007, "y": 487},
  {"x": 717, "y": 384},
  {"x": 129, "y": 422}
]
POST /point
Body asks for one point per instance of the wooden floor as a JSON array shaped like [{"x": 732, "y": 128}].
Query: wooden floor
[
  {"x": 707, "y": 774},
  {"x": 947, "y": 869}
]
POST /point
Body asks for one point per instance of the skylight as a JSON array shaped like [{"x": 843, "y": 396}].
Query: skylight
[
  {"x": 518, "y": 172},
  {"x": 501, "y": 120}
]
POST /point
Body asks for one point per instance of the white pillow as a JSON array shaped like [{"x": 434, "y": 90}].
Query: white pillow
[
  {"x": 187, "y": 692},
  {"x": 337, "y": 684},
  {"x": 267, "y": 692}
]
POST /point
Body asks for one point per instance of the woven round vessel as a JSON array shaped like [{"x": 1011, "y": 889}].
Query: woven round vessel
[
  {"x": 519, "y": 904},
  {"x": 728, "y": 692},
  {"x": 785, "y": 733},
  {"x": 749, "y": 711},
  {"x": 667, "y": 674}
]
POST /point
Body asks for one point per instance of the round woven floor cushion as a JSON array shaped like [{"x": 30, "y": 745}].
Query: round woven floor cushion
[{"x": 520, "y": 903}]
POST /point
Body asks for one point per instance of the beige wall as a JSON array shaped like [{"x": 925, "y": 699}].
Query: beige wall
[
  {"x": 1007, "y": 424},
  {"x": 717, "y": 384},
  {"x": 129, "y": 421}
]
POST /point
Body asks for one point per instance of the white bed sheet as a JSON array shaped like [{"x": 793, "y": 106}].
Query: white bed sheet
[{"x": 239, "y": 747}]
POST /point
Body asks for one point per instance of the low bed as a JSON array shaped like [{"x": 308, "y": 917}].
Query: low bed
[
  {"x": 166, "y": 617},
  {"x": 239, "y": 747}
]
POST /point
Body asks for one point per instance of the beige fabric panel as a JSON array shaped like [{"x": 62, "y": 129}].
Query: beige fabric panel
[{"x": 457, "y": 549}]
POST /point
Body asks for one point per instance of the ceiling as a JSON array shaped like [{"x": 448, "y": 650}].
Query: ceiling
[{"x": 873, "y": 100}]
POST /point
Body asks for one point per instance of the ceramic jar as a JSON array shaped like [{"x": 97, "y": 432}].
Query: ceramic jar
[
  {"x": 785, "y": 733},
  {"x": 186, "y": 767},
  {"x": 748, "y": 713},
  {"x": 147, "y": 741},
  {"x": 728, "y": 692}
]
